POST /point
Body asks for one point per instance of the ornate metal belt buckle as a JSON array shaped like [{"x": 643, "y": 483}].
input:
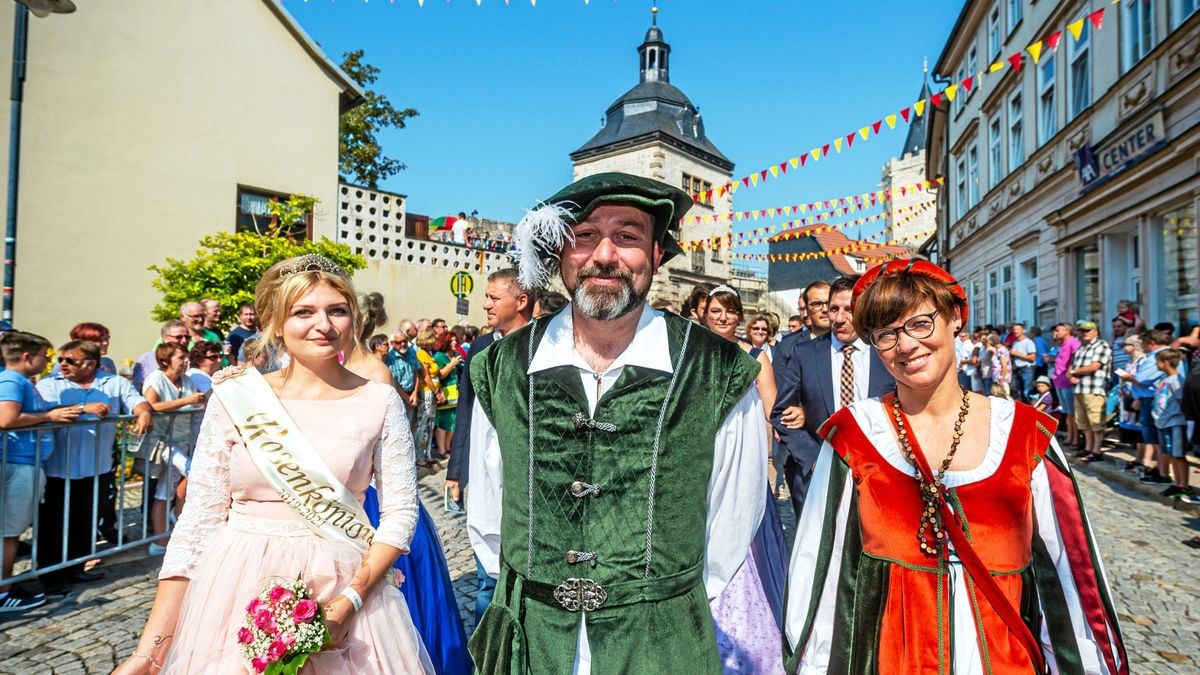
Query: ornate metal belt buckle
[{"x": 580, "y": 594}]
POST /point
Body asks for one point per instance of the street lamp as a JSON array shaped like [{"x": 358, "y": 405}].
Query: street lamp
[{"x": 40, "y": 9}]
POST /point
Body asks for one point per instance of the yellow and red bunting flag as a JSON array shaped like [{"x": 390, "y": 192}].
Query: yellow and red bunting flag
[
  {"x": 1035, "y": 50},
  {"x": 1053, "y": 39},
  {"x": 1076, "y": 29},
  {"x": 969, "y": 83}
]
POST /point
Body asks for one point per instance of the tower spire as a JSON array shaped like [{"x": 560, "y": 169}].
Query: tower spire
[{"x": 654, "y": 52}]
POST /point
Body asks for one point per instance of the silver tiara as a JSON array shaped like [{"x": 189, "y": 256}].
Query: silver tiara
[
  {"x": 312, "y": 262},
  {"x": 721, "y": 288}
]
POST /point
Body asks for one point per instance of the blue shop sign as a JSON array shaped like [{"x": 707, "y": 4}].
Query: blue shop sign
[{"x": 1127, "y": 149}]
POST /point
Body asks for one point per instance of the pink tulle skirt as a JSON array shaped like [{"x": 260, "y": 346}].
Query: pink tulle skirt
[{"x": 249, "y": 553}]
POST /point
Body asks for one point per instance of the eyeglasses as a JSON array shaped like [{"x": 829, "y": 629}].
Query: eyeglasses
[
  {"x": 759, "y": 329},
  {"x": 179, "y": 338},
  {"x": 194, "y": 316},
  {"x": 74, "y": 363},
  {"x": 918, "y": 328},
  {"x": 818, "y": 304}
]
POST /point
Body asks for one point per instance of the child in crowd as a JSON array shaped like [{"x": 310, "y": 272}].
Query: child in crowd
[
  {"x": 1171, "y": 424},
  {"x": 999, "y": 390},
  {"x": 1044, "y": 398}
]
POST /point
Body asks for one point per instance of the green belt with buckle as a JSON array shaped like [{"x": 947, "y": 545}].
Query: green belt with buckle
[{"x": 582, "y": 594}]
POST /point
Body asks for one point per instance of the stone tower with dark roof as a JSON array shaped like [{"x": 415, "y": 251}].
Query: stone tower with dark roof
[
  {"x": 654, "y": 130},
  {"x": 911, "y": 218}
]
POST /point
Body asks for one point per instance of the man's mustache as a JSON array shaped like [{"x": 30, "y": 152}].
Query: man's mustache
[{"x": 609, "y": 272}]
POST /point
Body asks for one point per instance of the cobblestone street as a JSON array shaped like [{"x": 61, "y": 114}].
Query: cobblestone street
[{"x": 1154, "y": 578}]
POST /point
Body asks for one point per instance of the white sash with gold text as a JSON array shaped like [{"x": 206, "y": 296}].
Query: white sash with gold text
[{"x": 288, "y": 461}]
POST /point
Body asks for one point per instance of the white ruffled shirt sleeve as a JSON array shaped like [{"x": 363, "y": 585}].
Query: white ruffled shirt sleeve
[
  {"x": 736, "y": 491},
  {"x": 208, "y": 496},
  {"x": 485, "y": 493},
  {"x": 396, "y": 477}
]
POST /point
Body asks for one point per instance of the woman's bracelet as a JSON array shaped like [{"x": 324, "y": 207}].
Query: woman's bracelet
[
  {"x": 153, "y": 663},
  {"x": 352, "y": 595}
]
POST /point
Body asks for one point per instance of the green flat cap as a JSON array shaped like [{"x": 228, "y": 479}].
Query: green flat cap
[
  {"x": 539, "y": 237},
  {"x": 666, "y": 203}
]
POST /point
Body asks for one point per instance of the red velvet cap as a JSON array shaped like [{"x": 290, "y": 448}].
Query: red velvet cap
[{"x": 918, "y": 267}]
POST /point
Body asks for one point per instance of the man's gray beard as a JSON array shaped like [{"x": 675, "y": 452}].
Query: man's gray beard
[{"x": 607, "y": 304}]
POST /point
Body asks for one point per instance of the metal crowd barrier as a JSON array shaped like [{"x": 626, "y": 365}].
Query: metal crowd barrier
[{"x": 117, "y": 503}]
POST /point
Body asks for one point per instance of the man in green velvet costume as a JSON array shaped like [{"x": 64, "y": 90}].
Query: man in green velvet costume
[{"x": 618, "y": 454}]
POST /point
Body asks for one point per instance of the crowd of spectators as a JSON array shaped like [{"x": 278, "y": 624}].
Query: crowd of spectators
[{"x": 1144, "y": 380}]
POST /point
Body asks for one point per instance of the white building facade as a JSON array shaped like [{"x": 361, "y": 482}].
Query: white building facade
[{"x": 1072, "y": 182}]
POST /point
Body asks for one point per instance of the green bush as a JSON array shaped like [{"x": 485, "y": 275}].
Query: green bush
[{"x": 228, "y": 265}]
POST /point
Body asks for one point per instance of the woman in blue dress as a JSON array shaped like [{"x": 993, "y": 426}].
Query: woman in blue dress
[{"x": 429, "y": 593}]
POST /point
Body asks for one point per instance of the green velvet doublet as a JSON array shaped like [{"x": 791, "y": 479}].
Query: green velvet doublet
[{"x": 593, "y": 499}]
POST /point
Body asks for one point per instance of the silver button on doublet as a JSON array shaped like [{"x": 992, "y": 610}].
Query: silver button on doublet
[{"x": 580, "y": 489}]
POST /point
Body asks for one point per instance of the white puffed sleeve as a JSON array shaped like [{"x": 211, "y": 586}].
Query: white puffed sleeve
[
  {"x": 736, "y": 498},
  {"x": 396, "y": 477},
  {"x": 208, "y": 496}
]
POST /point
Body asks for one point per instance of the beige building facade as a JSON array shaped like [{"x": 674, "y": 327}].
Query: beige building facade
[
  {"x": 1074, "y": 182},
  {"x": 413, "y": 274},
  {"x": 147, "y": 125}
]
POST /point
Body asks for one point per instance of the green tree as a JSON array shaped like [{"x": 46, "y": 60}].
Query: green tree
[
  {"x": 228, "y": 265},
  {"x": 359, "y": 152}
]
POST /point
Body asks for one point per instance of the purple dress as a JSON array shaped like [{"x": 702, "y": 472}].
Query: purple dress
[{"x": 748, "y": 613}]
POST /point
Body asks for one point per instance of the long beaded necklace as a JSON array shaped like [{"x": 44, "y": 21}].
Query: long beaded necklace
[{"x": 931, "y": 535}]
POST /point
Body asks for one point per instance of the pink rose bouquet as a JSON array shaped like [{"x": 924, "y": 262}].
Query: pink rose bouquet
[{"x": 283, "y": 625}]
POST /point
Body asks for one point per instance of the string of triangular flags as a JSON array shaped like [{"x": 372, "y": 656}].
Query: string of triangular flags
[
  {"x": 804, "y": 227},
  {"x": 907, "y": 114},
  {"x": 864, "y": 200},
  {"x": 767, "y": 233},
  {"x": 853, "y": 247}
]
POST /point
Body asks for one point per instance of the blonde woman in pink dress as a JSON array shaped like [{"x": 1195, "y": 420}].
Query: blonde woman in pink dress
[{"x": 237, "y": 534}]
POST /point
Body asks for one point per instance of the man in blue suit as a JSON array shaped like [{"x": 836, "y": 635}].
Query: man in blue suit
[
  {"x": 509, "y": 306},
  {"x": 815, "y": 379}
]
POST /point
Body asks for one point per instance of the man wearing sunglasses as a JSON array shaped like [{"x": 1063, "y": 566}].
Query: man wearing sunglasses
[
  {"x": 82, "y": 454},
  {"x": 821, "y": 376},
  {"x": 404, "y": 378}
]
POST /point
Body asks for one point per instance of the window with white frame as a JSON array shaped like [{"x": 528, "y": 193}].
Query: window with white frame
[
  {"x": 1137, "y": 31},
  {"x": 972, "y": 68},
  {"x": 972, "y": 175},
  {"x": 1014, "y": 13},
  {"x": 1181, "y": 10},
  {"x": 993, "y": 294},
  {"x": 960, "y": 101},
  {"x": 995, "y": 41},
  {"x": 1079, "y": 76},
  {"x": 1016, "y": 131},
  {"x": 961, "y": 182},
  {"x": 1047, "y": 108},
  {"x": 995, "y": 150},
  {"x": 1006, "y": 294}
]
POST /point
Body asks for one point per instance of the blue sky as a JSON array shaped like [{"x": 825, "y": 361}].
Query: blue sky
[{"x": 505, "y": 92}]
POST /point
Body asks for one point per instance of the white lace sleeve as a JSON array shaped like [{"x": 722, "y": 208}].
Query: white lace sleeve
[
  {"x": 396, "y": 477},
  {"x": 208, "y": 496}
]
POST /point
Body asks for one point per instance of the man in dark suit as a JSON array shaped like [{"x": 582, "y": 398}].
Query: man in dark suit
[
  {"x": 814, "y": 307},
  {"x": 509, "y": 306},
  {"x": 815, "y": 379}
]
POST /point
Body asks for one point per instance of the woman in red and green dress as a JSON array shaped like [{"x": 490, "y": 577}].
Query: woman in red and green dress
[{"x": 943, "y": 532}]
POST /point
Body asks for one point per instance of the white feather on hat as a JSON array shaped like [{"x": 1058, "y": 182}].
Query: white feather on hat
[{"x": 540, "y": 234}]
